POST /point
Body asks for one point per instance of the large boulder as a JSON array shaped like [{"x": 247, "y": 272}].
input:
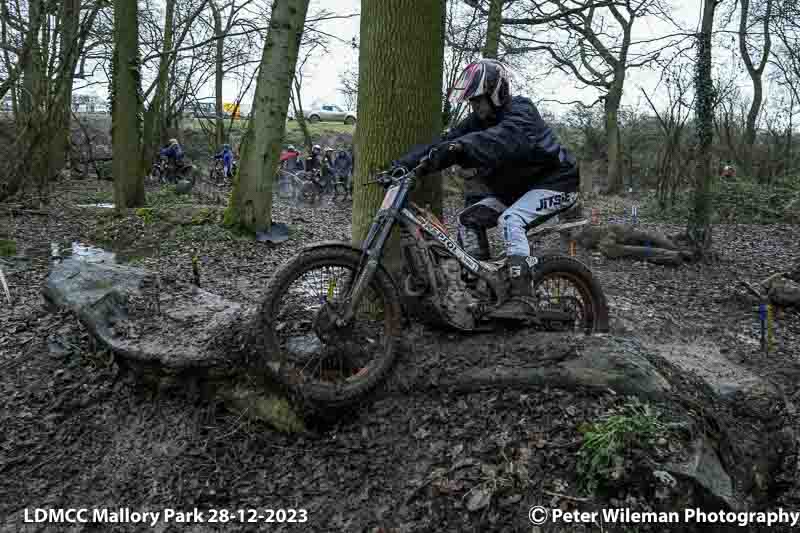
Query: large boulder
[
  {"x": 734, "y": 426},
  {"x": 169, "y": 330}
]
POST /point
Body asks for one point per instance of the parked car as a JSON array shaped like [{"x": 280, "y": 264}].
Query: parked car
[
  {"x": 206, "y": 110},
  {"x": 331, "y": 113}
]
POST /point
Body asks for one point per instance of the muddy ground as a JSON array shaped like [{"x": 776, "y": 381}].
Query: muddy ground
[{"x": 78, "y": 431}]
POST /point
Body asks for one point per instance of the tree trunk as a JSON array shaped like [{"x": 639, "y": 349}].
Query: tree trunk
[
  {"x": 299, "y": 114},
  {"x": 612, "y": 102},
  {"x": 60, "y": 126},
  {"x": 220, "y": 124},
  {"x": 126, "y": 103},
  {"x": 397, "y": 38},
  {"x": 492, "y": 45},
  {"x": 32, "y": 124},
  {"x": 755, "y": 73},
  {"x": 788, "y": 151},
  {"x": 699, "y": 227},
  {"x": 155, "y": 119},
  {"x": 251, "y": 199},
  {"x": 32, "y": 73},
  {"x": 6, "y": 57}
]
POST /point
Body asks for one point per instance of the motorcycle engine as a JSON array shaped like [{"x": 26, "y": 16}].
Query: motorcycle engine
[{"x": 455, "y": 298}]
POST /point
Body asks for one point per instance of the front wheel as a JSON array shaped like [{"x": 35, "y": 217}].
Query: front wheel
[
  {"x": 155, "y": 175},
  {"x": 326, "y": 363},
  {"x": 568, "y": 296},
  {"x": 309, "y": 193}
]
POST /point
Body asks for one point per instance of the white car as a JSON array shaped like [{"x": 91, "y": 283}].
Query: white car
[{"x": 331, "y": 113}]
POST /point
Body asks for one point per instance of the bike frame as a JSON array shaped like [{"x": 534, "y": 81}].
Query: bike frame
[{"x": 397, "y": 208}]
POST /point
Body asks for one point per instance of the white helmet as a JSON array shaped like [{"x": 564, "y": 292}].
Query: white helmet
[{"x": 487, "y": 76}]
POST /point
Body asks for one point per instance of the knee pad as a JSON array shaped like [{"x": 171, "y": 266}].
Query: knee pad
[{"x": 484, "y": 214}]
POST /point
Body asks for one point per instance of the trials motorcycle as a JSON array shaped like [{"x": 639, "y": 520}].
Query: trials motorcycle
[{"x": 333, "y": 316}]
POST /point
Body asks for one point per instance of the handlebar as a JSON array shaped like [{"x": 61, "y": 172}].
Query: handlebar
[{"x": 387, "y": 178}]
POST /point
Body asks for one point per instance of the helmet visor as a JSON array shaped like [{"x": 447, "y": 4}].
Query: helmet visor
[{"x": 470, "y": 83}]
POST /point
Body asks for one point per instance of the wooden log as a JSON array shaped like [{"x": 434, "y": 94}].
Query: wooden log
[
  {"x": 621, "y": 240},
  {"x": 658, "y": 256}
]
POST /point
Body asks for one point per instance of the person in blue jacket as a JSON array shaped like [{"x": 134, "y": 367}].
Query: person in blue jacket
[
  {"x": 529, "y": 174},
  {"x": 177, "y": 167},
  {"x": 173, "y": 152},
  {"x": 227, "y": 160}
]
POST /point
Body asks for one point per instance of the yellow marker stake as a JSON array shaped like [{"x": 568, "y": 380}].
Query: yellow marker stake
[
  {"x": 331, "y": 287},
  {"x": 572, "y": 248}
]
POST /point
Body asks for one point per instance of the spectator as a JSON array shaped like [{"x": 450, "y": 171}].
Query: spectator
[
  {"x": 290, "y": 159},
  {"x": 314, "y": 161},
  {"x": 728, "y": 171},
  {"x": 328, "y": 169},
  {"x": 343, "y": 165}
]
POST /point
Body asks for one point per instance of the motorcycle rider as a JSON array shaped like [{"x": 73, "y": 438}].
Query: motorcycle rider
[
  {"x": 529, "y": 174},
  {"x": 227, "y": 160},
  {"x": 177, "y": 166}
]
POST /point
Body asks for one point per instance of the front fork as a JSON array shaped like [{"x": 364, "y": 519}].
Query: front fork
[{"x": 372, "y": 251}]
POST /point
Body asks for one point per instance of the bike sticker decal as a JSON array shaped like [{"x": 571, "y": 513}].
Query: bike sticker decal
[
  {"x": 460, "y": 254},
  {"x": 532, "y": 261}
]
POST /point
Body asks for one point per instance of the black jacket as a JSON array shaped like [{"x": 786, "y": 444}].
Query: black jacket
[
  {"x": 313, "y": 162},
  {"x": 518, "y": 153}
]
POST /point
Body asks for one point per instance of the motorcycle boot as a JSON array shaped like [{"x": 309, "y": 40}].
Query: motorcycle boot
[{"x": 520, "y": 306}]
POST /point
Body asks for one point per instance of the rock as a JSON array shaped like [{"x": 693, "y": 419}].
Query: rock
[
  {"x": 183, "y": 187},
  {"x": 179, "y": 332},
  {"x": 478, "y": 500},
  {"x": 703, "y": 469},
  {"x": 102, "y": 294},
  {"x": 600, "y": 363},
  {"x": 734, "y": 425}
]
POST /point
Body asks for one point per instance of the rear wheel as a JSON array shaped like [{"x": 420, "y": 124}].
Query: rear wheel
[
  {"x": 568, "y": 297},
  {"x": 215, "y": 176},
  {"x": 313, "y": 119},
  {"x": 350, "y": 121},
  {"x": 325, "y": 364}
]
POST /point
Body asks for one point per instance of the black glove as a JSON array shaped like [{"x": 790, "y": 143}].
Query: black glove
[{"x": 444, "y": 155}]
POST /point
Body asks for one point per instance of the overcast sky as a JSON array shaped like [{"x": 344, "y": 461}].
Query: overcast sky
[{"x": 323, "y": 70}]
